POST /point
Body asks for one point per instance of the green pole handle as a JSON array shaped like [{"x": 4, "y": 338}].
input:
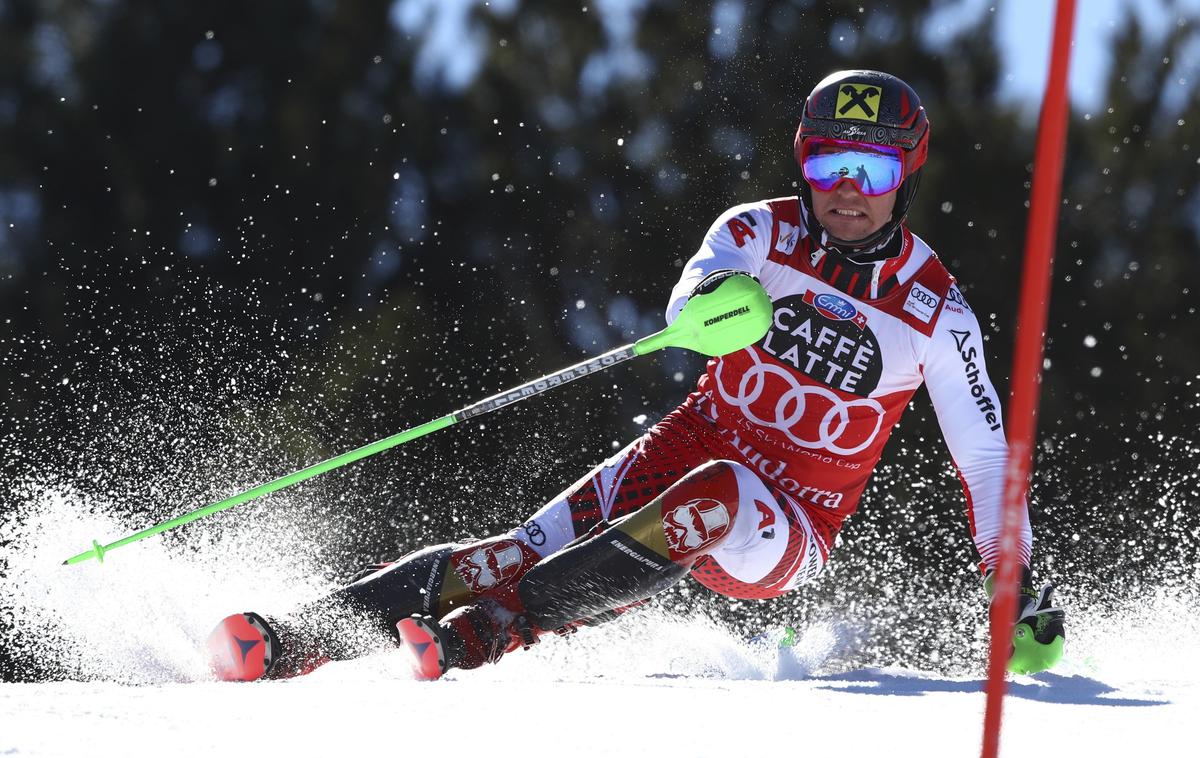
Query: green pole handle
[{"x": 734, "y": 315}]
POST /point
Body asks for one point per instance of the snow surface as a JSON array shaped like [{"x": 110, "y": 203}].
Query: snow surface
[
  {"x": 127, "y": 636},
  {"x": 523, "y": 705}
]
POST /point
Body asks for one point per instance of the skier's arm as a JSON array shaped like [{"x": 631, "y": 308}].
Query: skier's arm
[
  {"x": 738, "y": 240},
  {"x": 968, "y": 410}
]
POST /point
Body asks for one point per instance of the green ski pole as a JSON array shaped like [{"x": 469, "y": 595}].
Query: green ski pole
[{"x": 732, "y": 316}]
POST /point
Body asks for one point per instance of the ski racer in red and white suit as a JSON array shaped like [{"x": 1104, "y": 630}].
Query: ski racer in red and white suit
[
  {"x": 746, "y": 483},
  {"x": 809, "y": 408}
]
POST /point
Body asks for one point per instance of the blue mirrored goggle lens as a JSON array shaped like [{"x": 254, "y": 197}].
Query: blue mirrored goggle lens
[{"x": 874, "y": 173}]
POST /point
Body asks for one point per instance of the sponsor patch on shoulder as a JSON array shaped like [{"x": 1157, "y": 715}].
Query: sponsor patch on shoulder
[
  {"x": 921, "y": 303},
  {"x": 788, "y": 235}
]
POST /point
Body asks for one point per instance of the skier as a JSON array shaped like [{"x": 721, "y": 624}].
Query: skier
[{"x": 745, "y": 485}]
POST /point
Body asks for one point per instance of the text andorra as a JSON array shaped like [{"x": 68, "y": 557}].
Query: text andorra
[
  {"x": 731, "y": 314},
  {"x": 774, "y": 471}
]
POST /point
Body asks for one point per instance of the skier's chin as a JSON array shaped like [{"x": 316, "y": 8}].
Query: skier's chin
[
  {"x": 851, "y": 216},
  {"x": 850, "y": 228}
]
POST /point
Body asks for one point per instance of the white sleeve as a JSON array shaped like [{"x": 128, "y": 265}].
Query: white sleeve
[
  {"x": 968, "y": 411},
  {"x": 739, "y": 239}
]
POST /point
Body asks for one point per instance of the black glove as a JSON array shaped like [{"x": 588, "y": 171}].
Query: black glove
[
  {"x": 710, "y": 282},
  {"x": 1039, "y": 633}
]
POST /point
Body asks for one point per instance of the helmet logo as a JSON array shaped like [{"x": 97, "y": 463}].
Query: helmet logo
[{"x": 858, "y": 101}]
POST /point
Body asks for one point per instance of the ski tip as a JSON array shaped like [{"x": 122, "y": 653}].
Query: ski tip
[
  {"x": 419, "y": 637},
  {"x": 240, "y": 648}
]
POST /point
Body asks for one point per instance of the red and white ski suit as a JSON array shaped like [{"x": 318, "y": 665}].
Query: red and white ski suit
[{"x": 809, "y": 408}]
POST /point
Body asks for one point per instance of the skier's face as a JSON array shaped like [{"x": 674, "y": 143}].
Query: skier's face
[{"x": 850, "y": 215}]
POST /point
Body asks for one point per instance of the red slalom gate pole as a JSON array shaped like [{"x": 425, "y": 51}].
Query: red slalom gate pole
[{"x": 1044, "y": 204}]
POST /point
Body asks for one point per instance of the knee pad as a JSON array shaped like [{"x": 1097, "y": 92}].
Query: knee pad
[
  {"x": 643, "y": 553},
  {"x": 696, "y": 514},
  {"x": 481, "y": 567}
]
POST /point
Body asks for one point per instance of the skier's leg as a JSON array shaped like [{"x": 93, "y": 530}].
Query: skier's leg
[
  {"x": 647, "y": 551},
  {"x": 436, "y": 580},
  {"x": 355, "y": 619},
  {"x": 638, "y": 557},
  {"x": 790, "y": 548},
  {"x": 361, "y": 617},
  {"x": 624, "y": 483}
]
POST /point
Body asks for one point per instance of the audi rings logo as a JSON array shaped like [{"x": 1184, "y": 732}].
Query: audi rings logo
[{"x": 811, "y": 416}]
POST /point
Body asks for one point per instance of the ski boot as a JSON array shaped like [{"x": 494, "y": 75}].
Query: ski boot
[{"x": 466, "y": 638}]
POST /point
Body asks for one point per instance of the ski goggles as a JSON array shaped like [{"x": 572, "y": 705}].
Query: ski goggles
[{"x": 873, "y": 169}]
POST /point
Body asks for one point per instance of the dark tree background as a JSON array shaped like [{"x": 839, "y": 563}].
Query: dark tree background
[{"x": 236, "y": 238}]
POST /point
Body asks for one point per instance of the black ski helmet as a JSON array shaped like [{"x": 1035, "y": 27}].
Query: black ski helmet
[{"x": 872, "y": 107}]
